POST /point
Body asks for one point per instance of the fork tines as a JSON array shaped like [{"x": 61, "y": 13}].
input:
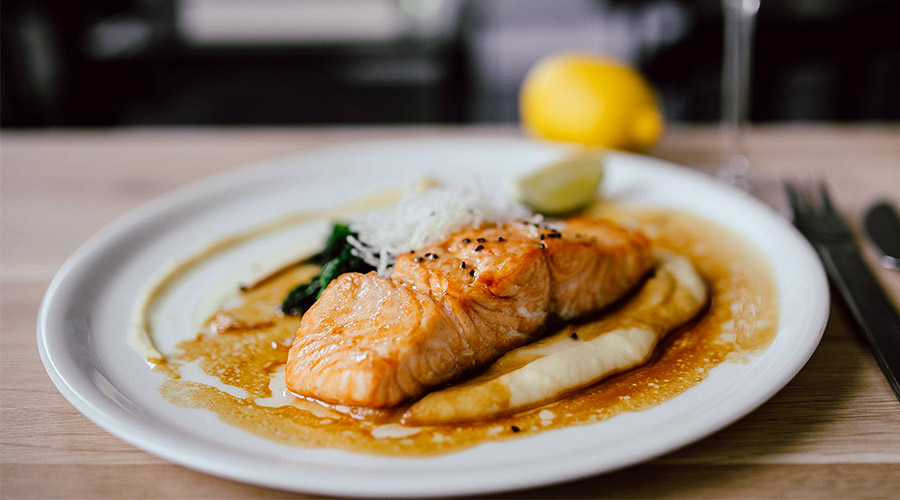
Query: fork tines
[
  {"x": 814, "y": 213},
  {"x": 816, "y": 217}
]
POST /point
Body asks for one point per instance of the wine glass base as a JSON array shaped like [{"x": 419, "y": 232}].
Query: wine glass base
[
  {"x": 736, "y": 172},
  {"x": 768, "y": 191}
]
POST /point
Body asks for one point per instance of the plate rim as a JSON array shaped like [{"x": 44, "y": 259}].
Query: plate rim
[{"x": 174, "y": 197}]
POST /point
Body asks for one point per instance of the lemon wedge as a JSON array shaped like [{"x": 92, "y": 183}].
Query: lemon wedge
[{"x": 562, "y": 187}]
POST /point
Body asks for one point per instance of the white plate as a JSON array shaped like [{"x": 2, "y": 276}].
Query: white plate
[{"x": 84, "y": 317}]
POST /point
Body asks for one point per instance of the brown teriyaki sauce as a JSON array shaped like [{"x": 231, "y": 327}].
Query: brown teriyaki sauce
[{"x": 246, "y": 347}]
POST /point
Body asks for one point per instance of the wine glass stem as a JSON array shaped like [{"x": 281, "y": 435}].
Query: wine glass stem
[{"x": 740, "y": 18}]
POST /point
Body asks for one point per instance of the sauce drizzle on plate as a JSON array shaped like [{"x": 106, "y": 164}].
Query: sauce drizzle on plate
[{"x": 242, "y": 352}]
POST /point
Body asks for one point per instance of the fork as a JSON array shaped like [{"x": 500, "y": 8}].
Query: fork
[{"x": 815, "y": 216}]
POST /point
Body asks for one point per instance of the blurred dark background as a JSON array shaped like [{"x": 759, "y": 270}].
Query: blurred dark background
[{"x": 196, "y": 62}]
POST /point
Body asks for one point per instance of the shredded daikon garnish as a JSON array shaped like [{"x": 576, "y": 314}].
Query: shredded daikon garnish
[{"x": 425, "y": 218}]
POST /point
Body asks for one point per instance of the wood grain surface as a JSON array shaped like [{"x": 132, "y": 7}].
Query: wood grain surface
[{"x": 833, "y": 432}]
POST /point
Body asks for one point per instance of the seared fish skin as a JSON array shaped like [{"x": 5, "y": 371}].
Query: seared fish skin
[
  {"x": 457, "y": 306},
  {"x": 594, "y": 264},
  {"x": 540, "y": 372},
  {"x": 370, "y": 341}
]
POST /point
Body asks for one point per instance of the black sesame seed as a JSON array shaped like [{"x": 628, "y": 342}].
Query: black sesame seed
[
  {"x": 412, "y": 251},
  {"x": 542, "y": 236},
  {"x": 500, "y": 238},
  {"x": 574, "y": 336},
  {"x": 481, "y": 240},
  {"x": 554, "y": 235},
  {"x": 434, "y": 256},
  {"x": 471, "y": 272},
  {"x": 543, "y": 246},
  {"x": 514, "y": 429},
  {"x": 479, "y": 248},
  {"x": 462, "y": 265},
  {"x": 419, "y": 259},
  {"x": 467, "y": 240}
]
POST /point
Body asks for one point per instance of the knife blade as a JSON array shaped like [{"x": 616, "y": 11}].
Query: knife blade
[{"x": 883, "y": 227}]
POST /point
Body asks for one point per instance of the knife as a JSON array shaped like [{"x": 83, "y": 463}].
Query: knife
[
  {"x": 817, "y": 218},
  {"x": 883, "y": 228}
]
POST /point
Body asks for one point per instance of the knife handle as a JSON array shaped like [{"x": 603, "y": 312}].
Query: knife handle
[{"x": 869, "y": 304}]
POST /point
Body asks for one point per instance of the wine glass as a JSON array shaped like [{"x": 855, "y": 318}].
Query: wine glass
[{"x": 740, "y": 23}]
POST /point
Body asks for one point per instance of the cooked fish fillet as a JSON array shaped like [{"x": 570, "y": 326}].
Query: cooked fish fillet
[
  {"x": 593, "y": 264},
  {"x": 546, "y": 369},
  {"x": 456, "y": 306},
  {"x": 371, "y": 341}
]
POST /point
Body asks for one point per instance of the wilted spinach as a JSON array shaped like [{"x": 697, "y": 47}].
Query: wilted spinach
[{"x": 336, "y": 259}]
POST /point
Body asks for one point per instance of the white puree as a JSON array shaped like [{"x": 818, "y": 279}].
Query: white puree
[
  {"x": 394, "y": 431},
  {"x": 612, "y": 352},
  {"x": 281, "y": 396},
  {"x": 193, "y": 372},
  {"x": 245, "y": 262},
  {"x": 560, "y": 363}
]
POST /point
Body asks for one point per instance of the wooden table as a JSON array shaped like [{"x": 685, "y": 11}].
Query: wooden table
[{"x": 833, "y": 432}]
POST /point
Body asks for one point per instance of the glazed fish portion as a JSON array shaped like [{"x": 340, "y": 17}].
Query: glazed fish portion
[
  {"x": 457, "y": 306},
  {"x": 371, "y": 341},
  {"x": 555, "y": 365}
]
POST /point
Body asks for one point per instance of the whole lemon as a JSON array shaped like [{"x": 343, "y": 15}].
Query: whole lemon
[{"x": 589, "y": 100}]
